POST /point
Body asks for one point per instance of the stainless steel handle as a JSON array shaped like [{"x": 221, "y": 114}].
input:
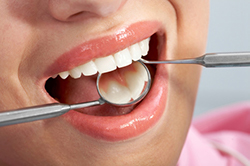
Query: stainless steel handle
[
  {"x": 40, "y": 112},
  {"x": 32, "y": 113},
  {"x": 226, "y": 59},
  {"x": 236, "y": 59}
]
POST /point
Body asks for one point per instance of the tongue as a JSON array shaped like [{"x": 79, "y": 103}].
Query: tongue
[{"x": 84, "y": 89}]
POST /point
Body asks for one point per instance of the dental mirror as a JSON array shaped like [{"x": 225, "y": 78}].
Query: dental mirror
[{"x": 122, "y": 87}]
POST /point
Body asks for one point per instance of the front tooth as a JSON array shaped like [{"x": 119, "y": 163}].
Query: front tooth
[
  {"x": 135, "y": 84},
  {"x": 144, "y": 46},
  {"x": 64, "y": 74},
  {"x": 105, "y": 64},
  {"x": 116, "y": 93},
  {"x": 135, "y": 52},
  {"x": 88, "y": 69},
  {"x": 123, "y": 58},
  {"x": 75, "y": 73}
]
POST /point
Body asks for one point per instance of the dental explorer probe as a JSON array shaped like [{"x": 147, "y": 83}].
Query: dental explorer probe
[
  {"x": 40, "y": 112},
  {"x": 236, "y": 59},
  {"x": 46, "y": 111},
  {"x": 231, "y": 59}
]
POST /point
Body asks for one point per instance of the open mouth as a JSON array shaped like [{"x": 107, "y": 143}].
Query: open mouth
[
  {"x": 108, "y": 122},
  {"x": 79, "y": 84}
]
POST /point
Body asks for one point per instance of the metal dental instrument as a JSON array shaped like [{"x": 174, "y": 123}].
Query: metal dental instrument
[
  {"x": 56, "y": 109},
  {"x": 237, "y": 59}
]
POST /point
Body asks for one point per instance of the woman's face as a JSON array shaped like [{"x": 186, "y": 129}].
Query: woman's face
[{"x": 41, "y": 38}]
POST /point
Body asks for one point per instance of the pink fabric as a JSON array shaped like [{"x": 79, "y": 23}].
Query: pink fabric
[{"x": 229, "y": 126}]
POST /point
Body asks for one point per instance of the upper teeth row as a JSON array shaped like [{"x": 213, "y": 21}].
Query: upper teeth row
[{"x": 106, "y": 64}]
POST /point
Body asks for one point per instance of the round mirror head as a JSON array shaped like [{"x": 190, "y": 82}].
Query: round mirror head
[{"x": 124, "y": 86}]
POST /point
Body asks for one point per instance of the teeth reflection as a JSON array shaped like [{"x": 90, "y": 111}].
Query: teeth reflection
[
  {"x": 117, "y": 93},
  {"x": 141, "y": 72},
  {"x": 124, "y": 85},
  {"x": 135, "y": 84}
]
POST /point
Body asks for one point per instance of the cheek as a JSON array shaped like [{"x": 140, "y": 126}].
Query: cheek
[
  {"x": 192, "y": 28},
  {"x": 14, "y": 139},
  {"x": 192, "y": 24},
  {"x": 15, "y": 35}
]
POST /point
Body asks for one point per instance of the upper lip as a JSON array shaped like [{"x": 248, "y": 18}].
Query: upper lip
[{"x": 103, "y": 46}]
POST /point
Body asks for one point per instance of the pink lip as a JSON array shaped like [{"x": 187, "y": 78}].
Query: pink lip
[
  {"x": 145, "y": 115},
  {"x": 104, "y": 46}
]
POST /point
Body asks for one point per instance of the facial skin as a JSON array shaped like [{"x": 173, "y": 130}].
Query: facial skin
[{"x": 35, "y": 33}]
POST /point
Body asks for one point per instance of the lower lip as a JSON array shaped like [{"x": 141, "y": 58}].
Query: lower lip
[{"x": 123, "y": 127}]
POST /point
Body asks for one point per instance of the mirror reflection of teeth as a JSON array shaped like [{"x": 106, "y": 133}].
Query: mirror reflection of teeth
[
  {"x": 135, "y": 83},
  {"x": 106, "y": 64},
  {"x": 117, "y": 93}
]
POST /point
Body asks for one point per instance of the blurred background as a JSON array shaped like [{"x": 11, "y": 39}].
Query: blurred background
[{"x": 229, "y": 31}]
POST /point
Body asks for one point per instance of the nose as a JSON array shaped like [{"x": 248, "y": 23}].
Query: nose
[{"x": 65, "y": 10}]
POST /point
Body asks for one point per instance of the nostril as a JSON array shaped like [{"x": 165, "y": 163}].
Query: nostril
[
  {"x": 76, "y": 14},
  {"x": 80, "y": 16}
]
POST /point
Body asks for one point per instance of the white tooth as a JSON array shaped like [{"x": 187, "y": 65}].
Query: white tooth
[
  {"x": 142, "y": 71},
  {"x": 54, "y": 76},
  {"x": 64, "y": 74},
  {"x": 75, "y": 73},
  {"x": 88, "y": 69},
  {"x": 116, "y": 93},
  {"x": 135, "y": 84},
  {"x": 123, "y": 58},
  {"x": 105, "y": 64},
  {"x": 144, "y": 45},
  {"x": 135, "y": 52}
]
